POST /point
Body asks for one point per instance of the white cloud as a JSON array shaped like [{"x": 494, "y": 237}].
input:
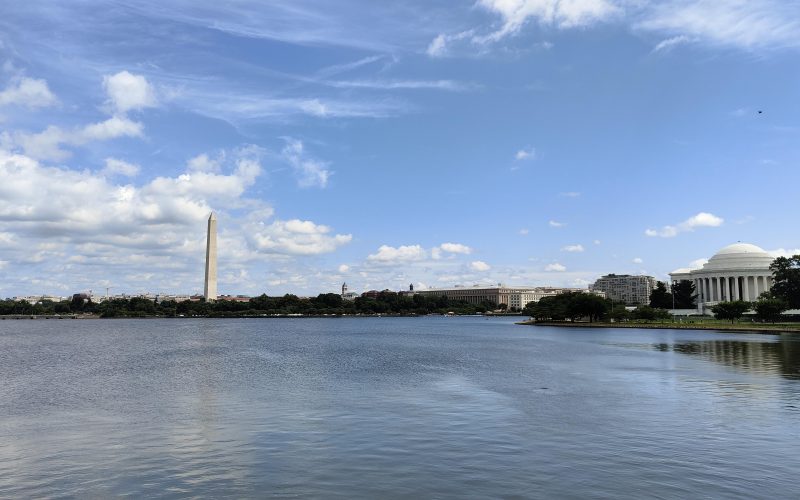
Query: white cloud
[
  {"x": 525, "y": 154},
  {"x": 750, "y": 24},
  {"x": 670, "y": 43},
  {"x": 28, "y": 92},
  {"x": 554, "y": 223},
  {"x": 524, "y": 232},
  {"x": 456, "y": 248},
  {"x": 311, "y": 172},
  {"x": 127, "y": 92},
  {"x": 450, "y": 85},
  {"x": 439, "y": 46},
  {"x": 404, "y": 253},
  {"x": 295, "y": 237},
  {"x": 637, "y": 260},
  {"x": 343, "y": 268},
  {"x": 570, "y": 194},
  {"x": 46, "y": 145},
  {"x": 204, "y": 163},
  {"x": 702, "y": 219},
  {"x": 698, "y": 264},
  {"x": 573, "y": 248},
  {"x": 479, "y": 265},
  {"x": 561, "y": 13},
  {"x": 597, "y": 242},
  {"x": 784, "y": 252},
  {"x": 120, "y": 167},
  {"x": 555, "y": 267}
]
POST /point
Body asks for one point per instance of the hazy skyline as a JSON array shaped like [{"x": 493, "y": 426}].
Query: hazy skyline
[{"x": 535, "y": 142}]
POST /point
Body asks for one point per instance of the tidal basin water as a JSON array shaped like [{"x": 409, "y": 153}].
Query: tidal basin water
[{"x": 394, "y": 408}]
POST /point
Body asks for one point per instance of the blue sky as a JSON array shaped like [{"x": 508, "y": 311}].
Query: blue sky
[{"x": 530, "y": 142}]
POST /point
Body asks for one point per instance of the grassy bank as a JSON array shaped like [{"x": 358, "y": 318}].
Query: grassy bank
[{"x": 679, "y": 325}]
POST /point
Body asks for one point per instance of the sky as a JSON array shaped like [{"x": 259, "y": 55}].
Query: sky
[{"x": 439, "y": 143}]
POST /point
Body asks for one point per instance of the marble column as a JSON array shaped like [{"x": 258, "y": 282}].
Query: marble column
[
  {"x": 719, "y": 288},
  {"x": 747, "y": 289},
  {"x": 736, "y": 295}
]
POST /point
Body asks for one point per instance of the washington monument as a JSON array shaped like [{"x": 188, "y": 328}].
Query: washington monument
[{"x": 210, "y": 289}]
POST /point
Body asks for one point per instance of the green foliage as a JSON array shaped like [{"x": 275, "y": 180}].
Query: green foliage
[
  {"x": 619, "y": 313},
  {"x": 770, "y": 308},
  {"x": 684, "y": 293},
  {"x": 660, "y": 298},
  {"x": 649, "y": 313},
  {"x": 573, "y": 306},
  {"x": 731, "y": 310},
  {"x": 263, "y": 305},
  {"x": 786, "y": 280}
]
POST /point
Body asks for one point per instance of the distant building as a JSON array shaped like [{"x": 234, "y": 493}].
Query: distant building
[
  {"x": 626, "y": 288},
  {"x": 513, "y": 297},
  {"x": 373, "y": 294},
  {"x": 408, "y": 293},
  {"x": 346, "y": 295}
]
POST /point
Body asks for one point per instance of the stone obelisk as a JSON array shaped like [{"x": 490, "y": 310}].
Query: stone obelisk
[{"x": 210, "y": 289}]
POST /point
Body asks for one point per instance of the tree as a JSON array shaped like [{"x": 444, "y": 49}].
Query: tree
[
  {"x": 786, "y": 280},
  {"x": 770, "y": 308},
  {"x": 619, "y": 313},
  {"x": 649, "y": 313},
  {"x": 660, "y": 298},
  {"x": 731, "y": 310},
  {"x": 684, "y": 293}
]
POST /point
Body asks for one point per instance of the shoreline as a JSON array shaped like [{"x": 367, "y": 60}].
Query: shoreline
[{"x": 767, "y": 329}]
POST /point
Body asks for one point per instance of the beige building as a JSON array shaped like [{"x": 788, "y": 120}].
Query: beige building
[
  {"x": 515, "y": 297},
  {"x": 626, "y": 288}
]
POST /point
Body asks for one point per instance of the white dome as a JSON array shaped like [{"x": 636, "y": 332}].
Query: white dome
[{"x": 739, "y": 256}]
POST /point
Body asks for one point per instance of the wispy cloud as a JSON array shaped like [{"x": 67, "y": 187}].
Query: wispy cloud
[
  {"x": 310, "y": 171},
  {"x": 573, "y": 248},
  {"x": 554, "y": 223}
]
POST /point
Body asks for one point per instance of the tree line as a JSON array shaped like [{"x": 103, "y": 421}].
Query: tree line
[{"x": 389, "y": 303}]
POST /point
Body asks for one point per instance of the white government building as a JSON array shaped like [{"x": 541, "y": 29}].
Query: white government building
[{"x": 737, "y": 272}]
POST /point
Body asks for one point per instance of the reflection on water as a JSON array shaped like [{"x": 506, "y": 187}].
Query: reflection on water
[
  {"x": 392, "y": 408},
  {"x": 781, "y": 357}
]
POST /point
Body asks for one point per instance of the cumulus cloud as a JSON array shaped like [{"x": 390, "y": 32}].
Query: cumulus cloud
[
  {"x": 524, "y": 232},
  {"x": 296, "y": 237},
  {"x": 27, "y": 92},
  {"x": 560, "y": 13},
  {"x": 573, "y": 248},
  {"x": 479, "y": 266},
  {"x": 204, "y": 163},
  {"x": 127, "y": 92},
  {"x": 120, "y": 167},
  {"x": 637, "y": 260},
  {"x": 784, "y": 252},
  {"x": 47, "y": 145},
  {"x": 310, "y": 172},
  {"x": 555, "y": 267},
  {"x": 404, "y": 253},
  {"x": 455, "y": 248},
  {"x": 343, "y": 268},
  {"x": 702, "y": 219}
]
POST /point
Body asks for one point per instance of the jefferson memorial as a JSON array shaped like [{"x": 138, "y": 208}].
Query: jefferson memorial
[{"x": 737, "y": 272}]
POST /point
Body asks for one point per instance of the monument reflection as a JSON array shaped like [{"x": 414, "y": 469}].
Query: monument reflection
[{"x": 778, "y": 357}]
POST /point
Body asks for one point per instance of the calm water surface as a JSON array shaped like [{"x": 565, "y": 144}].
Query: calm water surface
[{"x": 385, "y": 408}]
